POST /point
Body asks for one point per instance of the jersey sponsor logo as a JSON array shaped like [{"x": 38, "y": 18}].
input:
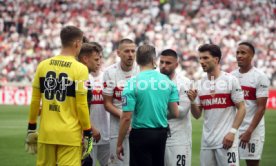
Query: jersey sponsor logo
[
  {"x": 118, "y": 93},
  {"x": 216, "y": 101},
  {"x": 249, "y": 93},
  {"x": 97, "y": 97}
]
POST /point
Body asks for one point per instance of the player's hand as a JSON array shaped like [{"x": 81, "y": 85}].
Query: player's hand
[
  {"x": 120, "y": 152},
  {"x": 31, "y": 142},
  {"x": 228, "y": 140},
  {"x": 87, "y": 143},
  {"x": 129, "y": 129},
  {"x": 244, "y": 139},
  {"x": 96, "y": 135},
  {"x": 192, "y": 93}
]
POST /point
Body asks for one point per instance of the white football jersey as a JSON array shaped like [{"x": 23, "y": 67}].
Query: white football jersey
[
  {"x": 254, "y": 84},
  {"x": 181, "y": 129},
  {"x": 114, "y": 79},
  {"x": 217, "y": 99},
  {"x": 98, "y": 115}
]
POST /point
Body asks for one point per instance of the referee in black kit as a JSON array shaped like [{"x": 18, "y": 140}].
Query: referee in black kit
[{"x": 147, "y": 97}]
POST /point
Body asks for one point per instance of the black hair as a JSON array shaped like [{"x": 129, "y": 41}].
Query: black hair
[
  {"x": 248, "y": 45},
  {"x": 69, "y": 34},
  {"x": 213, "y": 49},
  {"x": 169, "y": 52},
  {"x": 97, "y": 45},
  {"x": 87, "y": 49},
  {"x": 85, "y": 39}
]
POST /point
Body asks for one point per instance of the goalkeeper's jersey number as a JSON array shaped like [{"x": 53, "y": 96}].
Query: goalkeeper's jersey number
[{"x": 56, "y": 87}]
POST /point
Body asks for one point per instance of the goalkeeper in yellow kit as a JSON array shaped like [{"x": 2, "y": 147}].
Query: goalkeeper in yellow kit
[{"x": 60, "y": 83}]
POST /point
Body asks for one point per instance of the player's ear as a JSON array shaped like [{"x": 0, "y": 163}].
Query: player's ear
[
  {"x": 118, "y": 53},
  {"x": 77, "y": 44},
  {"x": 74, "y": 44},
  {"x": 176, "y": 65},
  {"x": 154, "y": 62},
  {"x": 251, "y": 56},
  {"x": 217, "y": 59},
  {"x": 85, "y": 59}
]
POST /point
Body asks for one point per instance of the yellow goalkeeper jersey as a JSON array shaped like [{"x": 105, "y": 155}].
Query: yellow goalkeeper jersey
[{"x": 60, "y": 83}]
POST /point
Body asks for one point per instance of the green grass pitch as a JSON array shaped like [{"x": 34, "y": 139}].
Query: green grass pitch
[{"x": 13, "y": 123}]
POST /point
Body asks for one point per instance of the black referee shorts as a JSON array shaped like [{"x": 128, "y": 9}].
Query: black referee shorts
[{"x": 147, "y": 146}]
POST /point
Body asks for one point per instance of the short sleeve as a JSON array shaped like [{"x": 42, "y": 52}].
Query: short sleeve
[
  {"x": 237, "y": 95},
  {"x": 108, "y": 84},
  {"x": 129, "y": 97},
  {"x": 174, "y": 97},
  {"x": 183, "y": 91},
  {"x": 262, "y": 87}
]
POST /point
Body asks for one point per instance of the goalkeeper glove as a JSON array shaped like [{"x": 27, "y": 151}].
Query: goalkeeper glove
[
  {"x": 87, "y": 143},
  {"x": 31, "y": 142}
]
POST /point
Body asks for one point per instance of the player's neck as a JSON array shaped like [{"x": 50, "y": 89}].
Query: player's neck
[
  {"x": 126, "y": 68},
  {"x": 245, "y": 69},
  {"x": 95, "y": 74},
  {"x": 147, "y": 67},
  {"x": 68, "y": 52},
  {"x": 214, "y": 74},
  {"x": 172, "y": 75}
]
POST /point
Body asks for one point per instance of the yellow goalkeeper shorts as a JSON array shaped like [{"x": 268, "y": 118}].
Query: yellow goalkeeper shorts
[{"x": 51, "y": 155}]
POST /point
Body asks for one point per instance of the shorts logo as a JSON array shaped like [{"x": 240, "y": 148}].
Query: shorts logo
[
  {"x": 124, "y": 100},
  {"x": 263, "y": 86}
]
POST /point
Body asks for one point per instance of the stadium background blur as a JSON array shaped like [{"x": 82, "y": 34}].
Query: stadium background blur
[
  {"x": 29, "y": 33},
  {"x": 29, "y": 30}
]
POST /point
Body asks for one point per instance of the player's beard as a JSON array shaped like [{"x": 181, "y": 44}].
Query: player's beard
[
  {"x": 208, "y": 68},
  {"x": 240, "y": 64},
  {"x": 129, "y": 62},
  {"x": 166, "y": 72}
]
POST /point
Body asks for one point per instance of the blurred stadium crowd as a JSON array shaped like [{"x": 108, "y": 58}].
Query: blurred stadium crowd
[{"x": 29, "y": 30}]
